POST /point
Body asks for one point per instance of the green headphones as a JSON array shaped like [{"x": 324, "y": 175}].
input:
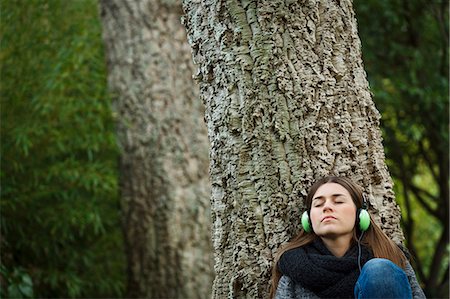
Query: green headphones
[{"x": 362, "y": 219}]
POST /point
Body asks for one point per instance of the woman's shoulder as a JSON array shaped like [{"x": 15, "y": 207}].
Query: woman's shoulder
[
  {"x": 404, "y": 250},
  {"x": 288, "y": 289},
  {"x": 417, "y": 291}
]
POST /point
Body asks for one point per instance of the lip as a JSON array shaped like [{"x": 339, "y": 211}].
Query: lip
[{"x": 327, "y": 218}]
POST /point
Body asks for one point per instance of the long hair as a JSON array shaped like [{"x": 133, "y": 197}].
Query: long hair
[{"x": 374, "y": 238}]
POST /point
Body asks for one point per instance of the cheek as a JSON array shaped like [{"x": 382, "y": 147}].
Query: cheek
[
  {"x": 350, "y": 213},
  {"x": 315, "y": 215}
]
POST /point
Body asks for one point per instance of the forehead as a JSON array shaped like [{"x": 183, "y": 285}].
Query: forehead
[{"x": 329, "y": 189}]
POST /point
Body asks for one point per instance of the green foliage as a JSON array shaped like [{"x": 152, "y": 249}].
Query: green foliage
[
  {"x": 406, "y": 50},
  {"x": 60, "y": 212},
  {"x": 19, "y": 283}
]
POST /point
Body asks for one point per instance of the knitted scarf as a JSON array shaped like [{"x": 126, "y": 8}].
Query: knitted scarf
[{"x": 314, "y": 267}]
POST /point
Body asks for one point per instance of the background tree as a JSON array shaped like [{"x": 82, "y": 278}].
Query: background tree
[
  {"x": 409, "y": 77},
  {"x": 164, "y": 150},
  {"x": 59, "y": 209},
  {"x": 287, "y": 102}
]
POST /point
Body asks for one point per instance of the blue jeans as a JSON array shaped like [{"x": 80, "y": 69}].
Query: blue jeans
[{"x": 381, "y": 278}]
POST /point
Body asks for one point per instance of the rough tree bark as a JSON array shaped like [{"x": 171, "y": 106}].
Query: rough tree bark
[
  {"x": 164, "y": 150},
  {"x": 287, "y": 101}
]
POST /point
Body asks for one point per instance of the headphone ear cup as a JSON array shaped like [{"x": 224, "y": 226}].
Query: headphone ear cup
[
  {"x": 307, "y": 227},
  {"x": 363, "y": 220}
]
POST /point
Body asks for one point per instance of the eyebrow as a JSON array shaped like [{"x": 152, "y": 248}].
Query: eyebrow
[{"x": 321, "y": 197}]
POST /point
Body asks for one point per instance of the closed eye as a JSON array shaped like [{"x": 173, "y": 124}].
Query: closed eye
[{"x": 318, "y": 203}]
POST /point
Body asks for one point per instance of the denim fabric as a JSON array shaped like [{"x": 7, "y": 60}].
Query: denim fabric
[{"x": 381, "y": 278}]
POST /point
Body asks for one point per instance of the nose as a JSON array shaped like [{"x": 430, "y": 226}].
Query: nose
[{"x": 327, "y": 206}]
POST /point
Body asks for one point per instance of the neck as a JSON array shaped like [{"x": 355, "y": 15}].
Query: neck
[{"x": 339, "y": 246}]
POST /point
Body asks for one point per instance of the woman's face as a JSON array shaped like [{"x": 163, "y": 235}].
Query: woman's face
[{"x": 333, "y": 212}]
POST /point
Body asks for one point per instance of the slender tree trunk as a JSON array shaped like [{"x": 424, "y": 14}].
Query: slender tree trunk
[
  {"x": 287, "y": 101},
  {"x": 164, "y": 161}
]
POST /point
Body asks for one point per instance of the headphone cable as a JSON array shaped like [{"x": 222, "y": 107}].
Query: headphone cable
[{"x": 359, "y": 251}]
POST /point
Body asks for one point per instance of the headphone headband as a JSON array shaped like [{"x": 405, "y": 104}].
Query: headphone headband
[{"x": 365, "y": 201}]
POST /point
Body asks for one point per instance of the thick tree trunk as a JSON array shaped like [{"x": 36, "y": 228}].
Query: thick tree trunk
[
  {"x": 287, "y": 101},
  {"x": 164, "y": 160}
]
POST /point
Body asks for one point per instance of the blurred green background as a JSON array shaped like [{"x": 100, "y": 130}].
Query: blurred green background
[{"x": 60, "y": 212}]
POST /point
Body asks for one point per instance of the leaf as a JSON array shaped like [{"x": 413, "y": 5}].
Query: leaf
[{"x": 14, "y": 291}]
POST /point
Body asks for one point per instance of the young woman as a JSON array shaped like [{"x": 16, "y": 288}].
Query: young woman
[{"x": 341, "y": 252}]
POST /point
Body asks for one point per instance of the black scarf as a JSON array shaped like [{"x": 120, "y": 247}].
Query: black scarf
[{"x": 314, "y": 267}]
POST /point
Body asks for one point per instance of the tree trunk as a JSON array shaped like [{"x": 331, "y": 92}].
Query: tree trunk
[
  {"x": 287, "y": 102},
  {"x": 164, "y": 150}
]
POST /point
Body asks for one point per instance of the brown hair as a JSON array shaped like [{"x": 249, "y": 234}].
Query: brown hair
[{"x": 374, "y": 238}]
